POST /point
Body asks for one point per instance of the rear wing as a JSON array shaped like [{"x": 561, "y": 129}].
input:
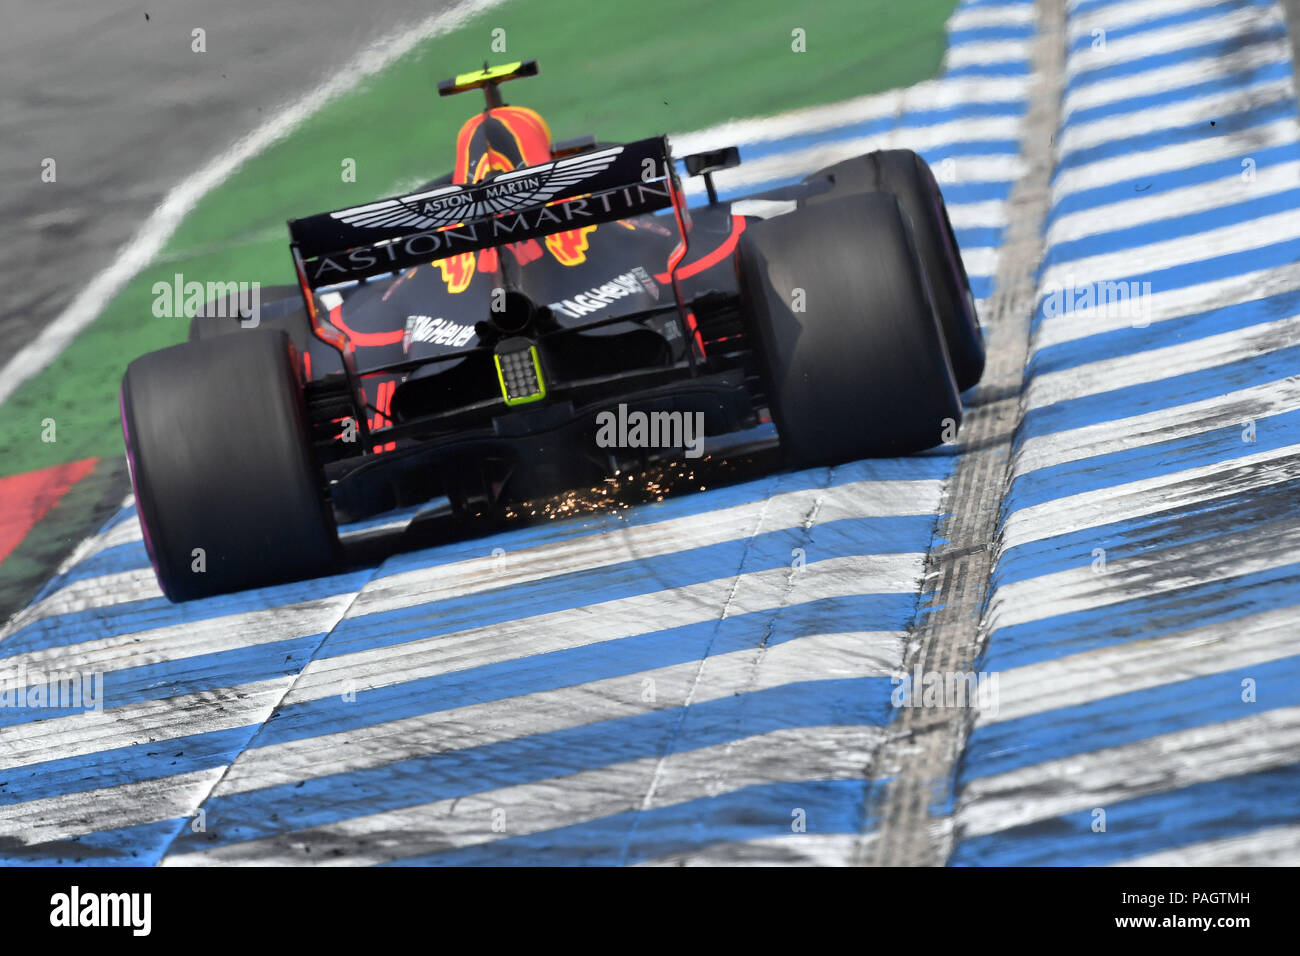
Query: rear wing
[
  {"x": 390, "y": 235},
  {"x": 527, "y": 203}
]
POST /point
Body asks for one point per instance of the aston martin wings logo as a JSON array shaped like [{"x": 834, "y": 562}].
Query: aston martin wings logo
[{"x": 507, "y": 192}]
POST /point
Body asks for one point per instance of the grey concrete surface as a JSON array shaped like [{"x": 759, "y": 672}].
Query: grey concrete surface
[
  {"x": 1292, "y": 10},
  {"x": 126, "y": 109},
  {"x": 921, "y": 753}
]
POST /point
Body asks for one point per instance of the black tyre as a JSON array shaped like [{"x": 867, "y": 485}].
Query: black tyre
[
  {"x": 281, "y": 308},
  {"x": 864, "y": 369},
  {"x": 217, "y": 442},
  {"x": 908, "y": 176}
]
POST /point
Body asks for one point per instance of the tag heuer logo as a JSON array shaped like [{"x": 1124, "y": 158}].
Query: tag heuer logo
[{"x": 426, "y": 328}]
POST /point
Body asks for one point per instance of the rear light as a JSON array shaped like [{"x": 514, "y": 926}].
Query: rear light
[{"x": 519, "y": 370}]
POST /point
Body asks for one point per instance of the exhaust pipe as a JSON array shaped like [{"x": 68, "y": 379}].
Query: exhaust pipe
[{"x": 512, "y": 312}]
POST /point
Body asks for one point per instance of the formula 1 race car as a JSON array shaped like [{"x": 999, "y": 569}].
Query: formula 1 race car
[{"x": 543, "y": 317}]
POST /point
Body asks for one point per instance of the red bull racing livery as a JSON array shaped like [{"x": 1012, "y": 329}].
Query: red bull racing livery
[{"x": 542, "y": 317}]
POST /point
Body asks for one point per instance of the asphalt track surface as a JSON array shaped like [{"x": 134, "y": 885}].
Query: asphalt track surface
[
  {"x": 140, "y": 111},
  {"x": 713, "y": 678}
]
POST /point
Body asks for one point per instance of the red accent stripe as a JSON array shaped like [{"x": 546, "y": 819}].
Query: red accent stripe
[
  {"x": 383, "y": 402},
  {"x": 363, "y": 338},
  {"x": 26, "y": 499},
  {"x": 694, "y": 326},
  {"x": 713, "y": 258}
]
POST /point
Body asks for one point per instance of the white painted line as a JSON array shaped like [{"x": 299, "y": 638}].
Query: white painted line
[
  {"x": 1130, "y": 13},
  {"x": 1171, "y": 79},
  {"x": 1107, "y": 777},
  {"x": 589, "y": 624},
  {"x": 859, "y": 499},
  {"x": 150, "y": 721},
  {"x": 991, "y": 213},
  {"x": 1227, "y": 556},
  {"x": 1240, "y": 186},
  {"x": 186, "y": 639},
  {"x": 75, "y": 814},
  {"x": 980, "y": 54},
  {"x": 1169, "y": 304},
  {"x": 1165, "y": 424},
  {"x": 1179, "y": 156},
  {"x": 794, "y": 755},
  {"x": 1165, "y": 492},
  {"x": 639, "y": 541},
  {"x": 1152, "y": 365},
  {"x": 1150, "y": 43},
  {"x": 1016, "y": 14},
  {"x": 1182, "y": 250},
  {"x": 1210, "y": 107},
  {"x": 151, "y": 237},
  {"x": 1139, "y": 665},
  {"x": 1270, "y": 846},
  {"x": 108, "y": 590},
  {"x": 981, "y": 261},
  {"x": 811, "y": 753},
  {"x": 815, "y": 657}
]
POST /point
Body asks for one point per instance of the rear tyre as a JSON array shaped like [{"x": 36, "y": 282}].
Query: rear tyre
[
  {"x": 217, "y": 442},
  {"x": 908, "y": 176},
  {"x": 281, "y": 309},
  {"x": 863, "y": 370}
]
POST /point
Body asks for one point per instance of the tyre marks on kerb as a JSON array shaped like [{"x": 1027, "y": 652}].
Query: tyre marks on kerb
[
  {"x": 573, "y": 678},
  {"x": 1147, "y": 575},
  {"x": 699, "y": 680},
  {"x": 818, "y": 656},
  {"x": 924, "y": 742},
  {"x": 669, "y": 687}
]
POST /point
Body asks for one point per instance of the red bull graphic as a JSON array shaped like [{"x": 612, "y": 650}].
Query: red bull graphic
[
  {"x": 458, "y": 270},
  {"x": 570, "y": 248},
  {"x": 499, "y": 140}
]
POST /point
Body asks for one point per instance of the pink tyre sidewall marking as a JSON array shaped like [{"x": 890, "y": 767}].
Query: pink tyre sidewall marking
[{"x": 131, "y": 469}]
